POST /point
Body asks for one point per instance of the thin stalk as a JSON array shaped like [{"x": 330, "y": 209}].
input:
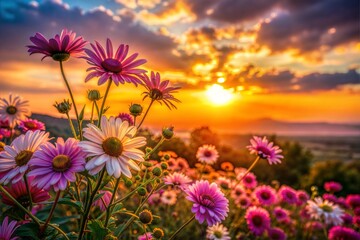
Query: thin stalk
[
  {"x": 147, "y": 111},
  {"x": 72, "y": 98},
  {"x": 51, "y": 211},
  {"x": 182, "y": 227},
  {"x": 247, "y": 171},
  {"x": 104, "y": 100},
  {"x": 71, "y": 126},
  {"x": 28, "y": 191},
  {"x": 147, "y": 155},
  {"x": 134, "y": 121},
  {"x": 92, "y": 112},
  {"x": 97, "y": 110},
  {"x": 111, "y": 200}
]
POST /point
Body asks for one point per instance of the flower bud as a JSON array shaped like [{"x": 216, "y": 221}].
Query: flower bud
[
  {"x": 167, "y": 156},
  {"x": 164, "y": 165},
  {"x": 94, "y": 95},
  {"x": 168, "y": 132},
  {"x": 157, "y": 171},
  {"x": 147, "y": 164},
  {"x": 148, "y": 149},
  {"x": 166, "y": 173},
  {"x": 128, "y": 183},
  {"x": 137, "y": 177},
  {"x": 158, "y": 233},
  {"x": 135, "y": 109},
  {"x": 142, "y": 191},
  {"x": 145, "y": 217},
  {"x": 63, "y": 107}
]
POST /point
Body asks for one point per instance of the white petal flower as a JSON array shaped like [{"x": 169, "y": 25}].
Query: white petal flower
[
  {"x": 217, "y": 232},
  {"x": 13, "y": 110},
  {"x": 207, "y": 154},
  {"x": 324, "y": 210}
]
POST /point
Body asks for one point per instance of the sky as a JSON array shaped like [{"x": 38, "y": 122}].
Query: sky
[{"x": 235, "y": 60}]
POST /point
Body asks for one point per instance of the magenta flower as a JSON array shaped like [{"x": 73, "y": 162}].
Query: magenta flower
[
  {"x": 7, "y": 229},
  {"x": 249, "y": 181},
  {"x": 347, "y": 219},
  {"x": 60, "y": 48},
  {"x": 210, "y": 203},
  {"x": 146, "y": 236},
  {"x": 353, "y": 200},
  {"x": 342, "y": 233},
  {"x": 258, "y": 220},
  {"x": 276, "y": 234},
  {"x": 118, "y": 66},
  {"x": 104, "y": 199},
  {"x": 330, "y": 197},
  {"x": 31, "y": 125},
  {"x": 287, "y": 195},
  {"x": 243, "y": 201},
  {"x": 126, "y": 117},
  {"x": 53, "y": 166},
  {"x": 177, "y": 179},
  {"x": 265, "y": 195},
  {"x": 19, "y": 192},
  {"x": 265, "y": 150},
  {"x": 332, "y": 186},
  {"x": 281, "y": 215},
  {"x": 158, "y": 90},
  {"x": 302, "y": 197}
]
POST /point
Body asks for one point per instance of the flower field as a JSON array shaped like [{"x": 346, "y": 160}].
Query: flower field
[{"x": 107, "y": 182}]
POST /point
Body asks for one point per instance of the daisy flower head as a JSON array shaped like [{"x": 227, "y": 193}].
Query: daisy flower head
[
  {"x": 19, "y": 192},
  {"x": 276, "y": 234},
  {"x": 332, "y": 186},
  {"x": 177, "y": 179},
  {"x": 224, "y": 183},
  {"x": 115, "y": 65},
  {"x": 258, "y": 220},
  {"x": 265, "y": 195},
  {"x": 210, "y": 203},
  {"x": 181, "y": 164},
  {"x": 13, "y": 110},
  {"x": 302, "y": 197},
  {"x": 324, "y": 210},
  {"x": 281, "y": 214},
  {"x": 207, "y": 154},
  {"x": 265, "y": 150},
  {"x": 169, "y": 197},
  {"x": 158, "y": 90},
  {"x": 217, "y": 232},
  {"x": 287, "y": 195},
  {"x": 31, "y": 125},
  {"x": 249, "y": 181},
  {"x": 227, "y": 166},
  {"x": 105, "y": 199},
  {"x": 15, "y": 158},
  {"x": 60, "y": 48},
  {"x": 342, "y": 233},
  {"x": 113, "y": 146},
  {"x": 126, "y": 117},
  {"x": 55, "y": 166},
  {"x": 237, "y": 191},
  {"x": 243, "y": 201},
  {"x": 7, "y": 229}
]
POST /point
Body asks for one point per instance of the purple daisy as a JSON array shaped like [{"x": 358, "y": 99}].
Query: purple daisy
[
  {"x": 332, "y": 186},
  {"x": 7, "y": 229},
  {"x": 341, "y": 233},
  {"x": 281, "y": 214},
  {"x": 276, "y": 234},
  {"x": 265, "y": 150},
  {"x": 53, "y": 166},
  {"x": 210, "y": 203},
  {"x": 118, "y": 66},
  {"x": 31, "y": 125},
  {"x": 288, "y": 195},
  {"x": 60, "y": 48},
  {"x": 258, "y": 220},
  {"x": 265, "y": 195},
  {"x": 126, "y": 117}
]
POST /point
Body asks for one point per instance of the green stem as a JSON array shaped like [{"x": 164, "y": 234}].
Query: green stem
[
  {"x": 182, "y": 227},
  {"x": 51, "y": 211},
  {"x": 88, "y": 205},
  {"x": 147, "y": 111},
  {"x": 72, "y": 98},
  {"x": 111, "y": 200},
  {"x": 28, "y": 191},
  {"x": 147, "y": 155},
  {"x": 92, "y": 112},
  {"x": 134, "y": 121},
  {"x": 71, "y": 126},
  {"x": 104, "y": 100}
]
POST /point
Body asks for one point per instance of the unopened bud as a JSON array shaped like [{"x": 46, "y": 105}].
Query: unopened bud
[
  {"x": 94, "y": 95},
  {"x": 135, "y": 109},
  {"x": 164, "y": 165},
  {"x": 158, "y": 233},
  {"x": 168, "y": 132},
  {"x": 63, "y": 107},
  {"x": 157, "y": 171},
  {"x": 167, "y": 156},
  {"x": 147, "y": 164},
  {"x": 142, "y": 191},
  {"x": 128, "y": 183},
  {"x": 145, "y": 217}
]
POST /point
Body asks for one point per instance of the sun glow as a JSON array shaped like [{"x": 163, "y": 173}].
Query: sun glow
[{"x": 217, "y": 95}]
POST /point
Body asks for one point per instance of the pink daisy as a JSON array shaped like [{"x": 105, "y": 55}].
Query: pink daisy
[
  {"x": 224, "y": 183},
  {"x": 158, "y": 90},
  {"x": 332, "y": 186},
  {"x": 19, "y": 192},
  {"x": 302, "y": 197},
  {"x": 265, "y": 150},
  {"x": 60, "y": 48},
  {"x": 55, "y": 166},
  {"x": 7, "y": 229},
  {"x": 342, "y": 233},
  {"x": 169, "y": 197},
  {"x": 105, "y": 199},
  {"x": 118, "y": 66},
  {"x": 243, "y": 201},
  {"x": 146, "y": 236},
  {"x": 126, "y": 117},
  {"x": 258, "y": 220},
  {"x": 287, "y": 195},
  {"x": 14, "y": 159},
  {"x": 265, "y": 195},
  {"x": 276, "y": 234},
  {"x": 347, "y": 219},
  {"x": 207, "y": 154},
  {"x": 13, "y": 110},
  {"x": 31, "y": 125},
  {"x": 177, "y": 179},
  {"x": 281, "y": 214},
  {"x": 330, "y": 197},
  {"x": 210, "y": 203},
  {"x": 237, "y": 191},
  {"x": 249, "y": 181}
]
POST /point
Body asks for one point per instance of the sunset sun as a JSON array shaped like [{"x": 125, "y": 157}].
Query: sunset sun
[{"x": 218, "y": 95}]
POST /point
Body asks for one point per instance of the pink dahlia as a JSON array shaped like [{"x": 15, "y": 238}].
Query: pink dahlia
[
  {"x": 31, "y": 125},
  {"x": 60, "y": 48},
  {"x": 265, "y": 150},
  {"x": 19, "y": 192},
  {"x": 14, "y": 159},
  {"x": 287, "y": 195},
  {"x": 104, "y": 201},
  {"x": 7, "y": 229},
  {"x": 13, "y": 110},
  {"x": 265, "y": 195},
  {"x": 158, "y": 90},
  {"x": 258, "y": 220},
  {"x": 332, "y": 186},
  {"x": 281, "y": 214},
  {"x": 207, "y": 154},
  {"x": 276, "y": 234},
  {"x": 118, "y": 66},
  {"x": 177, "y": 179},
  {"x": 249, "y": 181},
  {"x": 126, "y": 117},
  {"x": 342, "y": 233},
  {"x": 55, "y": 166},
  {"x": 210, "y": 203}
]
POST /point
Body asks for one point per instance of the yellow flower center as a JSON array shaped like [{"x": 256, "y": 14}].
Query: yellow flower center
[
  {"x": 217, "y": 234},
  {"x": 112, "y": 146},
  {"x": 23, "y": 157},
  {"x": 61, "y": 163},
  {"x": 326, "y": 208},
  {"x": 11, "y": 110}
]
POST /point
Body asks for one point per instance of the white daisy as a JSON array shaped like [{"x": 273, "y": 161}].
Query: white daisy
[
  {"x": 329, "y": 212},
  {"x": 113, "y": 146},
  {"x": 14, "y": 159},
  {"x": 169, "y": 197},
  {"x": 217, "y": 232},
  {"x": 13, "y": 109},
  {"x": 207, "y": 154}
]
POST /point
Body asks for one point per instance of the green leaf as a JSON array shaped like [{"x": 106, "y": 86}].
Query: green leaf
[
  {"x": 76, "y": 204},
  {"x": 117, "y": 208},
  {"x": 98, "y": 231},
  {"x": 14, "y": 213},
  {"x": 81, "y": 115},
  {"x": 98, "y": 196}
]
